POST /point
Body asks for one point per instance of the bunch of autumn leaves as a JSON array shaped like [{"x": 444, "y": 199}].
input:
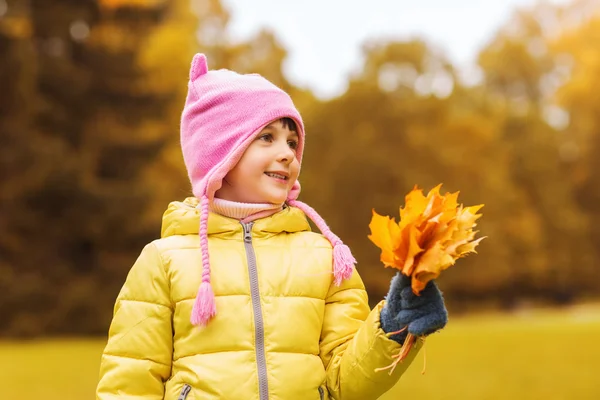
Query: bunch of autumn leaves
[{"x": 433, "y": 232}]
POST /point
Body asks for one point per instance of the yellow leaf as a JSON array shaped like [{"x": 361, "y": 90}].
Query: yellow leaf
[
  {"x": 385, "y": 233},
  {"x": 433, "y": 261},
  {"x": 415, "y": 204},
  {"x": 411, "y": 250},
  {"x": 469, "y": 247}
]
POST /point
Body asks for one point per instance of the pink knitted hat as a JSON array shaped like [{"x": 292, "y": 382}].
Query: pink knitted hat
[{"x": 223, "y": 113}]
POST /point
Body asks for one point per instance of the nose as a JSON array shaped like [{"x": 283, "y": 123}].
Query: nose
[{"x": 285, "y": 154}]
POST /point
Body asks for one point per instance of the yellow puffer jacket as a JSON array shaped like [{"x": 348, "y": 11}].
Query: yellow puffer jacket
[{"x": 283, "y": 330}]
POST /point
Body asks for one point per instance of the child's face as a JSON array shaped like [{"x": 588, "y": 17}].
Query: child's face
[{"x": 267, "y": 170}]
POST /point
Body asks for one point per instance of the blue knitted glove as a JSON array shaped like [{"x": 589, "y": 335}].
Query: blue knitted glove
[{"x": 423, "y": 314}]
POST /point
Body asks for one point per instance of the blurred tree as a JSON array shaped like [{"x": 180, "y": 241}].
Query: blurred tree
[
  {"x": 16, "y": 104},
  {"x": 99, "y": 116},
  {"x": 577, "y": 57},
  {"x": 521, "y": 74},
  {"x": 18, "y": 152}
]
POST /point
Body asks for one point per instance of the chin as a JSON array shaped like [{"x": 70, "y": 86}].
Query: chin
[{"x": 277, "y": 199}]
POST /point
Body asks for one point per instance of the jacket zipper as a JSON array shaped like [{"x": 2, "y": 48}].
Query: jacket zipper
[
  {"x": 184, "y": 392},
  {"x": 321, "y": 393},
  {"x": 259, "y": 328}
]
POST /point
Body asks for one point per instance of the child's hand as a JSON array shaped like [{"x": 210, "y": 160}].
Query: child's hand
[{"x": 422, "y": 314}]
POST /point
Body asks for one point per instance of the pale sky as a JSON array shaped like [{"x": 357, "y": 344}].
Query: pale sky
[{"x": 323, "y": 37}]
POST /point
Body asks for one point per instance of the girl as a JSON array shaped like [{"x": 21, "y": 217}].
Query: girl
[{"x": 239, "y": 299}]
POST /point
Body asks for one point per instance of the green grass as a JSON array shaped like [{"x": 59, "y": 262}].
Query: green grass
[
  {"x": 49, "y": 370},
  {"x": 541, "y": 355}
]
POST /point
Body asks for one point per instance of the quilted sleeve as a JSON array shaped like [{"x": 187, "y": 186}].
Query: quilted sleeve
[
  {"x": 137, "y": 359},
  {"x": 353, "y": 345}
]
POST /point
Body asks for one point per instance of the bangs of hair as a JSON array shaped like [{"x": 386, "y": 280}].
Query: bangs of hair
[{"x": 289, "y": 123}]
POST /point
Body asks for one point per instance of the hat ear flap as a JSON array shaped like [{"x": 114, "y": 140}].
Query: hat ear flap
[{"x": 199, "y": 66}]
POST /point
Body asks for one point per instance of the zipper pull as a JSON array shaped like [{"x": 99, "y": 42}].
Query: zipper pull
[
  {"x": 184, "y": 392},
  {"x": 248, "y": 232}
]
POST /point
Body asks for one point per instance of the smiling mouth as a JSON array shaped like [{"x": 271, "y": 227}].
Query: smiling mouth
[{"x": 276, "y": 176}]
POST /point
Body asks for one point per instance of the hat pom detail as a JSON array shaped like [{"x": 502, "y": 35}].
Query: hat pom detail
[
  {"x": 204, "y": 306},
  {"x": 343, "y": 263}
]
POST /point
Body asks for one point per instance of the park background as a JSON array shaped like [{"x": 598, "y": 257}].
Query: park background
[{"x": 91, "y": 93}]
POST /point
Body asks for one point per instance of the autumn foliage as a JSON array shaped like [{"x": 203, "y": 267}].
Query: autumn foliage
[
  {"x": 90, "y": 156},
  {"x": 433, "y": 232}
]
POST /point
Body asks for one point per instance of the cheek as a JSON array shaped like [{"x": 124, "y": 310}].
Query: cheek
[
  {"x": 294, "y": 170},
  {"x": 238, "y": 177},
  {"x": 254, "y": 161},
  {"x": 248, "y": 166}
]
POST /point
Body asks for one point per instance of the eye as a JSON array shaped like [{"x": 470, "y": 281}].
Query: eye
[
  {"x": 267, "y": 137},
  {"x": 293, "y": 144}
]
